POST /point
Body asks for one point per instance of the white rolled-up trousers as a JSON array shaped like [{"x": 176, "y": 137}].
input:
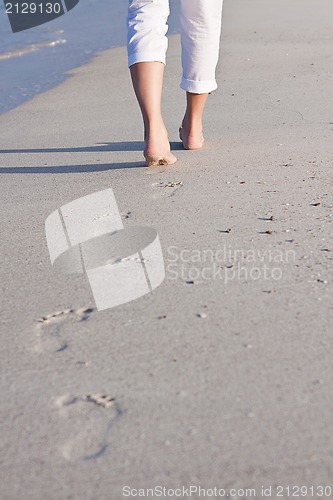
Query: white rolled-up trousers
[{"x": 200, "y": 24}]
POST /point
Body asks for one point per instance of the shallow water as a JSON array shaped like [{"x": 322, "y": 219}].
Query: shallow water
[{"x": 34, "y": 60}]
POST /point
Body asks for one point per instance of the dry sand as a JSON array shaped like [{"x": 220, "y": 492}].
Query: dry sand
[{"x": 208, "y": 381}]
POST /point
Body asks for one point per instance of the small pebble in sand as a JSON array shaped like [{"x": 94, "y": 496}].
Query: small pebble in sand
[
  {"x": 125, "y": 215},
  {"x": 288, "y": 164},
  {"x": 271, "y": 217},
  {"x": 89, "y": 310},
  {"x": 201, "y": 315}
]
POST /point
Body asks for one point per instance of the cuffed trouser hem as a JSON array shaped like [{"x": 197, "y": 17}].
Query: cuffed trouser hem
[
  {"x": 198, "y": 87},
  {"x": 145, "y": 57}
]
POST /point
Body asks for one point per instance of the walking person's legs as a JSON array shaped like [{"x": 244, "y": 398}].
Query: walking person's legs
[
  {"x": 200, "y": 38},
  {"x": 147, "y": 44}
]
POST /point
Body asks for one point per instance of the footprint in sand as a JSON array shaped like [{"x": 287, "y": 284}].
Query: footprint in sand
[
  {"x": 51, "y": 331},
  {"x": 88, "y": 420}
]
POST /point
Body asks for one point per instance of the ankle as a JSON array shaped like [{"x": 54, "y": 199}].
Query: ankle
[
  {"x": 192, "y": 127},
  {"x": 155, "y": 129}
]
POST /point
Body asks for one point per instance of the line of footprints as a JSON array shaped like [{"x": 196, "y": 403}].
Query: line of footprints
[{"x": 92, "y": 415}]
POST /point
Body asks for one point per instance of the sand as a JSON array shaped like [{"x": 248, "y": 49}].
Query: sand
[{"x": 222, "y": 376}]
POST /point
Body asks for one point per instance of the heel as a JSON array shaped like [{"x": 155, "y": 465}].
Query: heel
[
  {"x": 157, "y": 161},
  {"x": 186, "y": 147}
]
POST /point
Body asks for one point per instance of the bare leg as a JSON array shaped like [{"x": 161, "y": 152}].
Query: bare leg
[
  {"x": 200, "y": 23},
  {"x": 147, "y": 78},
  {"x": 191, "y": 129}
]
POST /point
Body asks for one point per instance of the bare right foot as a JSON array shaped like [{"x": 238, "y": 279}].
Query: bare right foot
[
  {"x": 157, "y": 151},
  {"x": 190, "y": 132}
]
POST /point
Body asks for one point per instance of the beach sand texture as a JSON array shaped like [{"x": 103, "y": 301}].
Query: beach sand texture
[{"x": 223, "y": 375}]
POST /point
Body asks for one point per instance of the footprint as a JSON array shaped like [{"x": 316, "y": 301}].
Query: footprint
[
  {"x": 88, "y": 420},
  {"x": 166, "y": 188},
  {"x": 50, "y": 328}
]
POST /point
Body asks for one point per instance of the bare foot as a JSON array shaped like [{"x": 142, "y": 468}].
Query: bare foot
[
  {"x": 191, "y": 138},
  {"x": 157, "y": 150}
]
